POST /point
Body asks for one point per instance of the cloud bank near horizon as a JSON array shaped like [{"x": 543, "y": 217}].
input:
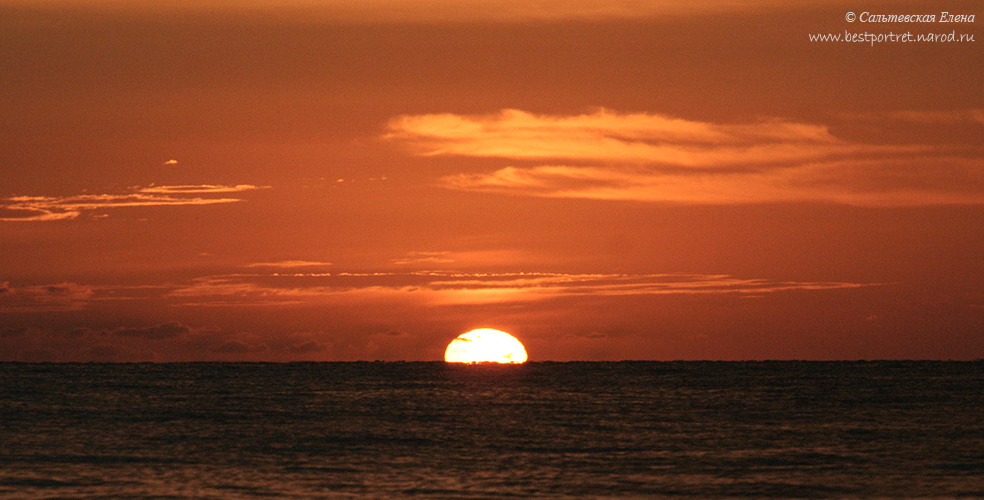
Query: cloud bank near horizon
[{"x": 427, "y": 288}]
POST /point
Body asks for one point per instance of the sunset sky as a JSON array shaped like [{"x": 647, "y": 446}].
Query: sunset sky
[{"x": 606, "y": 180}]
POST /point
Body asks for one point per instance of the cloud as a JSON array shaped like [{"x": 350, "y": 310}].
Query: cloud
[
  {"x": 12, "y": 331},
  {"x": 199, "y": 188},
  {"x": 436, "y": 288},
  {"x": 161, "y": 331},
  {"x": 157, "y": 332},
  {"x": 51, "y": 208},
  {"x": 44, "y": 298},
  {"x": 105, "y": 353},
  {"x": 864, "y": 183},
  {"x": 423, "y": 258},
  {"x": 308, "y": 347},
  {"x": 234, "y": 347},
  {"x": 170, "y": 162},
  {"x": 410, "y": 288},
  {"x": 32, "y": 211},
  {"x": 291, "y": 264},
  {"x": 608, "y": 136},
  {"x": 658, "y": 158}
]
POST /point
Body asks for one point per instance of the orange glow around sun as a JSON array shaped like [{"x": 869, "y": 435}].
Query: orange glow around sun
[{"x": 485, "y": 345}]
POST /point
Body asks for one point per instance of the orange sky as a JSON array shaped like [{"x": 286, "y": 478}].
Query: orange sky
[{"x": 342, "y": 180}]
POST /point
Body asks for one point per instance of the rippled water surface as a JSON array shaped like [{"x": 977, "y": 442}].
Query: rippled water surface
[{"x": 632, "y": 429}]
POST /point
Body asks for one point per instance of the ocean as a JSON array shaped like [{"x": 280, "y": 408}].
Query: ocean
[{"x": 540, "y": 430}]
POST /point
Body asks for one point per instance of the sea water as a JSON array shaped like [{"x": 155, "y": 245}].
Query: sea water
[{"x": 539, "y": 430}]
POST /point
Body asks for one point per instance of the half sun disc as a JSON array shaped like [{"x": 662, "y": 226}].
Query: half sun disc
[{"x": 485, "y": 345}]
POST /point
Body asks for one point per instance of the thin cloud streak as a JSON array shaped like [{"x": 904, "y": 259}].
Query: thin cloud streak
[
  {"x": 424, "y": 258},
  {"x": 163, "y": 331},
  {"x": 943, "y": 181},
  {"x": 291, "y": 264},
  {"x": 627, "y": 138},
  {"x": 52, "y": 208},
  {"x": 449, "y": 288},
  {"x": 54, "y": 297},
  {"x": 199, "y": 189}
]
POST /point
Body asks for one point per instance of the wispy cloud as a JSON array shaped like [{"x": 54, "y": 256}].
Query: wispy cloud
[
  {"x": 51, "y": 208},
  {"x": 162, "y": 331},
  {"x": 199, "y": 189},
  {"x": 44, "y": 298},
  {"x": 628, "y": 138},
  {"x": 864, "y": 182},
  {"x": 451, "y": 288},
  {"x": 652, "y": 157},
  {"x": 424, "y": 258},
  {"x": 291, "y": 264},
  {"x": 361, "y": 289}
]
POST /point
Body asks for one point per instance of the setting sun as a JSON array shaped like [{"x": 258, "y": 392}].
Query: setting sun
[{"x": 485, "y": 345}]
